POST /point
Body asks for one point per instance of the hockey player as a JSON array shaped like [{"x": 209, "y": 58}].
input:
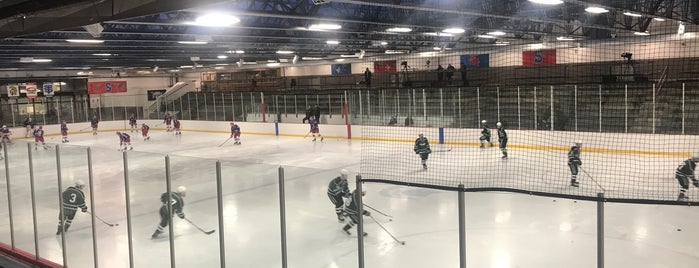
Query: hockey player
[
  {"x": 313, "y": 121},
  {"x": 132, "y": 123},
  {"x": 351, "y": 211},
  {"x": 168, "y": 121},
  {"x": 29, "y": 125},
  {"x": 574, "y": 162},
  {"x": 6, "y": 133},
  {"x": 502, "y": 139},
  {"x": 235, "y": 133},
  {"x": 144, "y": 131},
  {"x": 684, "y": 173},
  {"x": 125, "y": 140},
  {"x": 177, "y": 125},
  {"x": 39, "y": 137},
  {"x": 176, "y": 201},
  {"x": 73, "y": 198},
  {"x": 422, "y": 147},
  {"x": 64, "y": 131},
  {"x": 337, "y": 189},
  {"x": 485, "y": 134},
  {"x": 94, "y": 123}
]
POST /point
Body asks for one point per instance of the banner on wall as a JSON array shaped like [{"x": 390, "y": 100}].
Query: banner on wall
[
  {"x": 476, "y": 60},
  {"x": 48, "y": 89},
  {"x": 388, "y": 66},
  {"x": 13, "y": 90},
  {"x": 153, "y": 94},
  {"x": 31, "y": 90},
  {"x": 57, "y": 86},
  {"x": 106, "y": 87},
  {"x": 539, "y": 57},
  {"x": 341, "y": 69}
]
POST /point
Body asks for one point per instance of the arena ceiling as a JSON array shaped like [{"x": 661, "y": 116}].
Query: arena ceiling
[{"x": 150, "y": 33}]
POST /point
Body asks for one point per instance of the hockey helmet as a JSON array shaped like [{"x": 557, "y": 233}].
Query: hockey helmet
[
  {"x": 79, "y": 184},
  {"x": 695, "y": 157},
  {"x": 118, "y": 133},
  {"x": 421, "y": 135},
  {"x": 4, "y": 126},
  {"x": 483, "y": 121},
  {"x": 232, "y": 123},
  {"x": 498, "y": 124},
  {"x": 577, "y": 143},
  {"x": 344, "y": 173},
  {"x": 40, "y": 126},
  {"x": 181, "y": 190}
]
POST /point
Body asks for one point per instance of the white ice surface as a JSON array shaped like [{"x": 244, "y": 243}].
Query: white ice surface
[{"x": 503, "y": 229}]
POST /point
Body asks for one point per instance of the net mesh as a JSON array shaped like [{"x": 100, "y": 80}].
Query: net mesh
[{"x": 624, "y": 86}]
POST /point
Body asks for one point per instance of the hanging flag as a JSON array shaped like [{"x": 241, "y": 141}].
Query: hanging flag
[
  {"x": 388, "y": 66},
  {"x": 48, "y": 89},
  {"x": 13, "y": 90},
  {"x": 476, "y": 61},
  {"x": 106, "y": 87},
  {"x": 341, "y": 69},
  {"x": 539, "y": 57},
  {"x": 31, "y": 90}
]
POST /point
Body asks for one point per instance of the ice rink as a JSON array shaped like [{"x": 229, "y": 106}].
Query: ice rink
[{"x": 504, "y": 230}]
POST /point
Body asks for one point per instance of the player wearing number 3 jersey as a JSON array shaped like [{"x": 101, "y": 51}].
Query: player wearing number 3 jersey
[{"x": 73, "y": 198}]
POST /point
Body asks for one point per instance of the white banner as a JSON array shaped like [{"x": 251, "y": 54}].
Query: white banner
[{"x": 13, "y": 90}]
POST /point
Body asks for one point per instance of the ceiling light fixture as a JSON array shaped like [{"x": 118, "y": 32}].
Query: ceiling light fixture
[
  {"x": 311, "y": 58},
  {"x": 453, "y": 30},
  {"x": 222, "y": 56},
  {"x": 437, "y": 48},
  {"x": 239, "y": 52},
  {"x": 325, "y": 26},
  {"x": 41, "y": 60},
  {"x": 596, "y": 10},
  {"x": 658, "y": 19},
  {"x": 383, "y": 43},
  {"x": 87, "y": 41},
  {"x": 339, "y": 60},
  {"x": 642, "y": 33},
  {"x": 547, "y": 2},
  {"x": 274, "y": 64},
  {"x": 102, "y": 54},
  {"x": 497, "y": 33},
  {"x": 395, "y": 52},
  {"x": 193, "y": 42},
  {"x": 399, "y": 30},
  {"x": 631, "y": 14},
  {"x": 486, "y": 36},
  {"x": 502, "y": 43},
  {"x": 439, "y": 34},
  {"x": 332, "y": 42},
  {"x": 349, "y": 55},
  {"x": 216, "y": 20},
  {"x": 285, "y": 52},
  {"x": 565, "y": 38}
]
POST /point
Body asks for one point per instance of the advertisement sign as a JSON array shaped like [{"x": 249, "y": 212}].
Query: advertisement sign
[
  {"x": 388, "y": 66},
  {"x": 106, "y": 87},
  {"x": 476, "y": 60},
  {"x": 341, "y": 69}
]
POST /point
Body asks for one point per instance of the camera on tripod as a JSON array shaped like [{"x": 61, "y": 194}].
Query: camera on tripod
[{"x": 627, "y": 55}]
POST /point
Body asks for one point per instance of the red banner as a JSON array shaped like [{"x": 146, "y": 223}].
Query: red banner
[
  {"x": 540, "y": 57},
  {"x": 106, "y": 87},
  {"x": 388, "y": 66},
  {"x": 31, "y": 90}
]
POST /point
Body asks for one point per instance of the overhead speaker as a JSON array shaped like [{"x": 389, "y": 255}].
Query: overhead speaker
[{"x": 94, "y": 29}]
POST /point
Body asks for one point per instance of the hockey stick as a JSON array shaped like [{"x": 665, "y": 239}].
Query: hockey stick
[
  {"x": 378, "y": 211},
  {"x": 225, "y": 142},
  {"x": 389, "y": 233},
  {"x": 442, "y": 150},
  {"x": 90, "y": 127},
  {"x": 109, "y": 224},
  {"x": 200, "y": 229},
  {"x": 593, "y": 179},
  {"x": 307, "y": 135}
]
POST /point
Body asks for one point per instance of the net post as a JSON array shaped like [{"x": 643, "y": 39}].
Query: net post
[
  {"x": 626, "y": 108},
  {"x": 360, "y": 224},
  {"x": 462, "y": 227},
  {"x": 575, "y": 103},
  {"x": 32, "y": 192},
  {"x": 600, "y": 230},
  {"x": 536, "y": 120},
  {"x": 127, "y": 194},
  {"x": 653, "y": 108},
  {"x": 552, "y": 110},
  {"x": 683, "y": 114}
]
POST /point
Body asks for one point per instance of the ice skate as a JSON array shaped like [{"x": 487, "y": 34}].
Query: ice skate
[
  {"x": 491, "y": 145},
  {"x": 482, "y": 146},
  {"x": 574, "y": 183},
  {"x": 346, "y": 229},
  {"x": 504, "y": 157},
  {"x": 131, "y": 149},
  {"x": 341, "y": 218},
  {"x": 59, "y": 230},
  {"x": 155, "y": 234},
  {"x": 424, "y": 166},
  {"x": 682, "y": 197},
  {"x": 314, "y": 139},
  {"x": 322, "y": 138}
]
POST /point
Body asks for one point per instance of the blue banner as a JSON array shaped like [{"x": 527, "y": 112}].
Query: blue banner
[
  {"x": 476, "y": 61},
  {"x": 48, "y": 89},
  {"x": 341, "y": 69}
]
